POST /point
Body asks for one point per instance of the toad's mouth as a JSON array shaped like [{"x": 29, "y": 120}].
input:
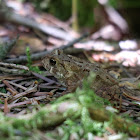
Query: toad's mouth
[{"x": 51, "y": 70}]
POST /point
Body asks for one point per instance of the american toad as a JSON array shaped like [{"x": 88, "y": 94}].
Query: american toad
[{"x": 71, "y": 71}]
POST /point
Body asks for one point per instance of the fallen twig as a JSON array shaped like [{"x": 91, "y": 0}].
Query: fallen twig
[
  {"x": 28, "y": 91},
  {"x": 40, "y": 55},
  {"x": 8, "y": 14},
  {"x": 10, "y": 87},
  {"x": 17, "y": 85},
  {"x": 14, "y": 66},
  {"x": 44, "y": 78}
]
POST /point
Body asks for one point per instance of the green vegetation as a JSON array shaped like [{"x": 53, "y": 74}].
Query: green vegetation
[
  {"x": 29, "y": 62},
  {"x": 82, "y": 114},
  {"x": 3, "y": 90},
  {"x": 63, "y": 9},
  {"x": 130, "y": 3}
]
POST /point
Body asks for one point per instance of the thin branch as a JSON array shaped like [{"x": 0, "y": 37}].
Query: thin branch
[
  {"x": 8, "y": 14},
  {"x": 40, "y": 55},
  {"x": 14, "y": 66}
]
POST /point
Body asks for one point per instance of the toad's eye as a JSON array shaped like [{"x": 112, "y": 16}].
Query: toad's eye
[{"x": 52, "y": 62}]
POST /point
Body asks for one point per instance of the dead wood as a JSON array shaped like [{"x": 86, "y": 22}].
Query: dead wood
[
  {"x": 40, "y": 55},
  {"x": 12, "y": 68},
  {"x": 8, "y": 14}
]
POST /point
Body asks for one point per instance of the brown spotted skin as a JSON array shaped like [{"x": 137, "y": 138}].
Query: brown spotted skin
[{"x": 71, "y": 71}]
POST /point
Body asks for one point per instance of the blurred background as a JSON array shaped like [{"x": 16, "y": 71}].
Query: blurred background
[
  {"x": 102, "y": 31},
  {"x": 112, "y": 27}
]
